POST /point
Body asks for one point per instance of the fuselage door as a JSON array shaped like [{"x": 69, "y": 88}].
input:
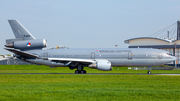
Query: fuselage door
[
  {"x": 129, "y": 55},
  {"x": 160, "y": 55},
  {"x": 45, "y": 55},
  {"x": 92, "y": 55}
]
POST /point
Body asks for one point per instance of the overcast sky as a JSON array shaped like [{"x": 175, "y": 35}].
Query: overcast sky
[{"x": 87, "y": 23}]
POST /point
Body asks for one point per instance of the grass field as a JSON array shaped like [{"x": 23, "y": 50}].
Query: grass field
[
  {"x": 46, "y": 69},
  {"x": 86, "y": 87}
]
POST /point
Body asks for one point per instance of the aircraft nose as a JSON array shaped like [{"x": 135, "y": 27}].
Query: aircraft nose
[{"x": 173, "y": 58}]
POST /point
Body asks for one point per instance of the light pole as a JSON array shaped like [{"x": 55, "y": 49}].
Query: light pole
[{"x": 176, "y": 62}]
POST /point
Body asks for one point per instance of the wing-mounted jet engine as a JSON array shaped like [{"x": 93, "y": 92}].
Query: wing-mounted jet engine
[{"x": 101, "y": 65}]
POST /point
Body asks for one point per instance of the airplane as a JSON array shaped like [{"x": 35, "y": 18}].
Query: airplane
[{"x": 26, "y": 47}]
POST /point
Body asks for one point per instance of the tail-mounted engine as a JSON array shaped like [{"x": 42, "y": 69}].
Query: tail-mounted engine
[{"x": 26, "y": 44}]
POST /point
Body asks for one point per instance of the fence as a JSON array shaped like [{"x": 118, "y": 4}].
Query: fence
[{"x": 13, "y": 61}]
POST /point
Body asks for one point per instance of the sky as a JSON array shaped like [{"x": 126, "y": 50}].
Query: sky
[{"x": 87, "y": 23}]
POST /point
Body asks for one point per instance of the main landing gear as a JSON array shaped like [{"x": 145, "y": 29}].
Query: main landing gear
[{"x": 80, "y": 70}]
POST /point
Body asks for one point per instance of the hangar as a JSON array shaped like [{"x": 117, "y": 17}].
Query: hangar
[{"x": 169, "y": 44}]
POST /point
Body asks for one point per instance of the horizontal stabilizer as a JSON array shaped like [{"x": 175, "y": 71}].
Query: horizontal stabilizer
[{"x": 21, "y": 53}]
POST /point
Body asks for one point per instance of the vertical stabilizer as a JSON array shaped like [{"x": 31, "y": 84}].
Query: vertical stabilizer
[{"x": 20, "y": 31}]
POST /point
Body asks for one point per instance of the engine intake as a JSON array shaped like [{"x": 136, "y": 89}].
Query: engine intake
[{"x": 101, "y": 65}]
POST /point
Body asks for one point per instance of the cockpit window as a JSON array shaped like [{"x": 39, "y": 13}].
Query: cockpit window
[{"x": 169, "y": 54}]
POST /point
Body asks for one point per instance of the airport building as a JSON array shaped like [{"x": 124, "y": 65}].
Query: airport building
[{"x": 165, "y": 43}]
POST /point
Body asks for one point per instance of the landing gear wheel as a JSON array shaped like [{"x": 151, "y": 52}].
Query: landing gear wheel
[
  {"x": 76, "y": 72},
  {"x": 84, "y": 71},
  {"x": 149, "y": 72},
  {"x": 80, "y": 72}
]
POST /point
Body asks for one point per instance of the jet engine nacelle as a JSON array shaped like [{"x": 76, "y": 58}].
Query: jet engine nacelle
[
  {"x": 101, "y": 65},
  {"x": 28, "y": 44}
]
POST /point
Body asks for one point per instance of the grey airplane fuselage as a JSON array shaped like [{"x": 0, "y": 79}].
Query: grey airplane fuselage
[{"x": 117, "y": 57}]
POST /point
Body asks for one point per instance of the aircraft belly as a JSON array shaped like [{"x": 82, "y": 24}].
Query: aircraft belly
[{"x": 163, "y": 61}]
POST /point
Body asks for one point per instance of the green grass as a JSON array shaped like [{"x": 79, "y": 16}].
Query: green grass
[
  {"x": 89, "y": 87},
  {"x": 55, "y": 87},
  {"x": 46, "y": 69}
]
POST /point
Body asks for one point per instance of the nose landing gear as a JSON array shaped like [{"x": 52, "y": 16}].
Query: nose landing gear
[
  {"x": 149, "y": 68},
  {"x": 149, "y": 72}
]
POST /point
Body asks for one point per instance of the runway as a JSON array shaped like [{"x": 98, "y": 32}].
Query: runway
[{"x": 87, "y": 74}]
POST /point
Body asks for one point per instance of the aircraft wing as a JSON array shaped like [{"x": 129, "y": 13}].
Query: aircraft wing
[
  {"x": 85, "y": 61},
  {"x": 21, "y": 53}
]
